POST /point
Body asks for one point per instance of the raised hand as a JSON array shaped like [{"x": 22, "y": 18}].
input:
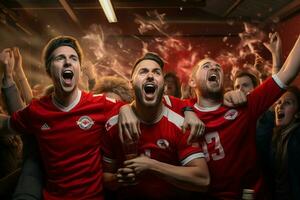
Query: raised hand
[
  {"x": 275, "y": 47},
  {"x": 275, "y": 44},
  {"x": 18, "y": 57},
  {"x": 7, "y": 63}
]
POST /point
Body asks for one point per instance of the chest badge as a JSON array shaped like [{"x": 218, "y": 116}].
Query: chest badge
[
  {"x": 231, "y": 114},
  {"x": 85, "y": 122},
  {"x": 162, "y": 143}
]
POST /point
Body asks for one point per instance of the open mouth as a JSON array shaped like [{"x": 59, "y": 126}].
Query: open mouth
[
  {"x": 213, "y": 78},
  {"x": 149, "y": 88},
  {"x": 280, "y": 115},
  {"x": 68, "y": 76}
]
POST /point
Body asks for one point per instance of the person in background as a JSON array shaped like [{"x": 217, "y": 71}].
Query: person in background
[
  {"x": 285, "y": 145},
  {"x": 114, "y": 87},
  {"x": 172, "y": 85},
  {"x": 248, "y": 79}
]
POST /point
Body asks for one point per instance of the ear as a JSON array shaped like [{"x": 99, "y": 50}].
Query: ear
[
  {"x": 297, "y": 115},
  {"x": 192, "y": 82}
]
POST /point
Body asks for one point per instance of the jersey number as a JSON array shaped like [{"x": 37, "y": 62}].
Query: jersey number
[{"x": 213, "y": 139}]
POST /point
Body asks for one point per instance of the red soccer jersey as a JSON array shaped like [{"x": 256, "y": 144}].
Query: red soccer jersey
[
  {"x": 229, "y": 142},
  {"x": 162, "y": 141},
  {"x": 69, "y": 142}
]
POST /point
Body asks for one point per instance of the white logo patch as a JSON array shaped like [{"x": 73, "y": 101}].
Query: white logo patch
[
  {"x": 85, "y": 122},
  {"x": 162, "y": 143},
  {"x": 231, "y": 114}
]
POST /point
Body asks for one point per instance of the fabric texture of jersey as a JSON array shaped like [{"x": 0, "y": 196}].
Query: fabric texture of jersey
[
  {"x": 69, "y": 142},
  {"x": 162, "y": 141}
]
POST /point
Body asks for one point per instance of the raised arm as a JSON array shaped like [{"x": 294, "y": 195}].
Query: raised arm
[
  {"x": 11, "y": 94},
  {"x": 291, "y": 66},
  {"x": 21, "y": 77},
  {"x": 275, "y": 48}
]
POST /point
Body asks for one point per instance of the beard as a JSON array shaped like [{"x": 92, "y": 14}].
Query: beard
[
  {"x": 140, "y": 100},
  {"x": 216, "y": 94}
]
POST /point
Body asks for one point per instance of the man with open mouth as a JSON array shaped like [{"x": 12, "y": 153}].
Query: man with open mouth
[
  {"x": 229, "y": 143},
  {"x": 67, "y": 125},
  {"x": 163, "y": 160}
]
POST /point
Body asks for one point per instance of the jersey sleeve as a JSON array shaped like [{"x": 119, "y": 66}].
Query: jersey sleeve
[
  {"x": 20, "y": 121},
  {"x": 176, "y": 104},
  {"x": 188, "y": 152},
  {"x": 107, "y": 142},
  {"x": 262, "y": 97}
]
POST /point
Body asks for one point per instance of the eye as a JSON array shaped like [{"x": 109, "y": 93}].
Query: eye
[
  {"x": 143, "y": 71},
  {"x": 59, "y": 58},
  {"x": 218, "y": 67},
  {"x": 74, "y": 58},
  {"x": 158, "y": 72},
  {"x": 205, "y": 66},
  {"x": 288, "y": 102}
]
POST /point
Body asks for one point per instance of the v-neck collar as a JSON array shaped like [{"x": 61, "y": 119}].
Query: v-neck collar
[
  {"x": 207, "y": 109},
  {"x": 69, "y": 107}
]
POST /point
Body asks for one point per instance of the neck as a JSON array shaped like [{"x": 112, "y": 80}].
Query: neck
[
  {"x": 207, "y": 102},
  {"x": 148, "y": 114},
  {"x": 65, "y": 98}
]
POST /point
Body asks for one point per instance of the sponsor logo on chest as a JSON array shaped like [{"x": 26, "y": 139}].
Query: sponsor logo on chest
[
  {"x": 231, "y": 114},
  {"x": 85, "y": 122}
]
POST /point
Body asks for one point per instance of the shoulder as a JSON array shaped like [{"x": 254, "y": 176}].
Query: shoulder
[
  {"x": 38, "y": 103},
  {"x": 173, "y": 117},
  {"x": 97, "y": 98}
]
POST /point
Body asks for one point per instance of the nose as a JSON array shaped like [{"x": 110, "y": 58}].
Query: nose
[
  {"x": 240, "y": 89},
  {"x": 150, "y": 76},
  {"x": 67, "y": 62}
]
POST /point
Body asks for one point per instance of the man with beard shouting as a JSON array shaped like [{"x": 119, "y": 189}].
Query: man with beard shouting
[{"x": 165, "y": 165}]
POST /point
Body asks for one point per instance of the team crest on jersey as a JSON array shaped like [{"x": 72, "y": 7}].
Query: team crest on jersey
[
  {"x": 231, "y": 114},
  {"x": 162, "y": 143},
  {"x": 85, "y": 122}
]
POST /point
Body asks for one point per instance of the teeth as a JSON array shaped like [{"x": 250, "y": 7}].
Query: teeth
[
  {"x": 149, "y": 85},
  {"x": 149, "y": 88}
]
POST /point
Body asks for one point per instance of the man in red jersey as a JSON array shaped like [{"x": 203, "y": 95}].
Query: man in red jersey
[
  {"x": 67, "y": 126},
  {"x": 166, "y": 165},
  {"x": 229, "y": 141}
]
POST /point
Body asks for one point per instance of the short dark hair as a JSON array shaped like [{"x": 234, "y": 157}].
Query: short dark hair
[
  {"x": 149, "y": 56},
  {"x": 56, "y": 43},
  {"x": 252, "y": 76}
]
